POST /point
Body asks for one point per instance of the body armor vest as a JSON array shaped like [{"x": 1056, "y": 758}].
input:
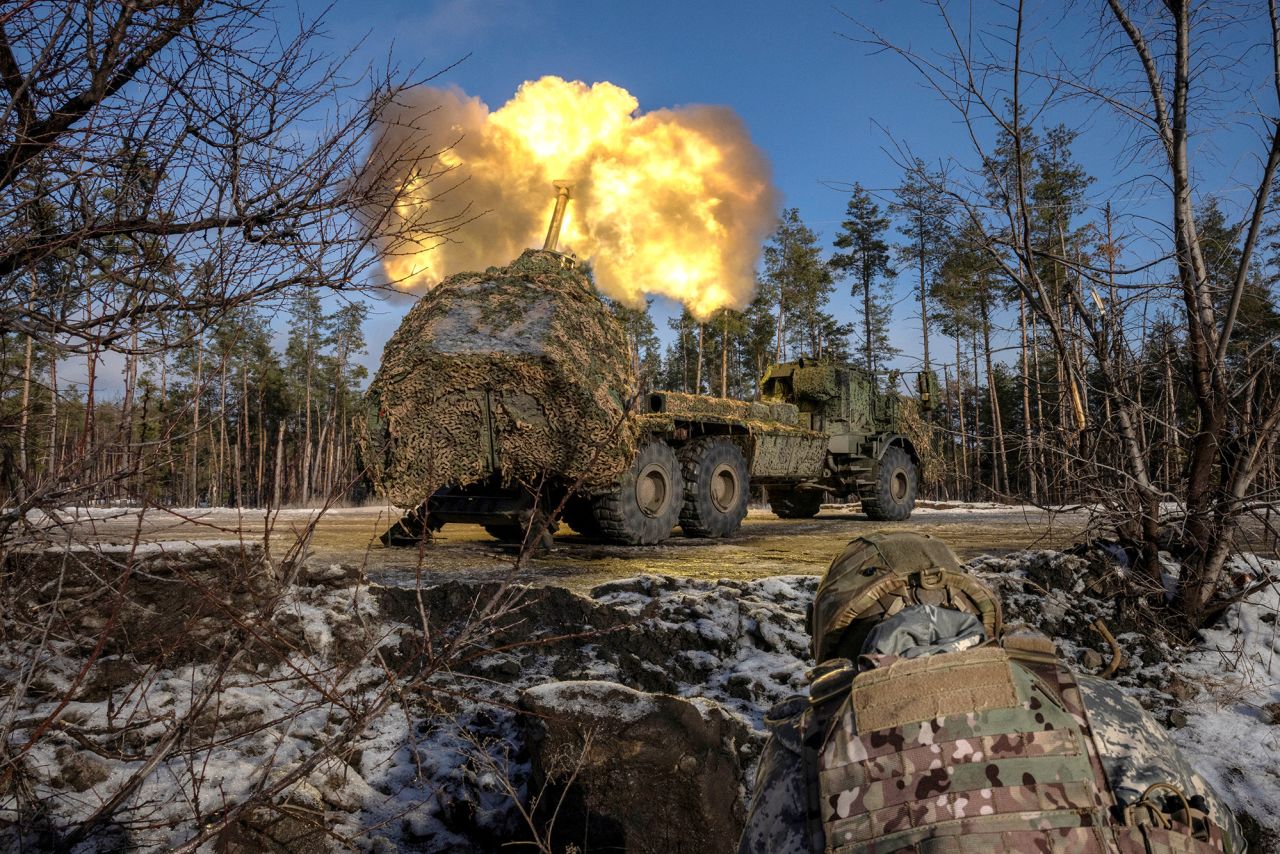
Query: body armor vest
[{"x": 988, "y": 749}]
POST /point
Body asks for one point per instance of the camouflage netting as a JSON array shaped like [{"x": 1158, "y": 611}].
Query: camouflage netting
[
  {"x": 532, "y": 345},
  {"x": 815, "y": 381},
  {"x": 912, "y": 424},
  {"x": 721, "y": 409}
]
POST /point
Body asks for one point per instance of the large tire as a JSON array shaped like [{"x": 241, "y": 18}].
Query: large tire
[
  {"x": 579, "y": 515},
  {"x": 893, "y": 494},
  {"x": 795, "y": 503},
  {"x": 644, "y": 508},
  {"x": 515, "y": 534},
  {"x": 505, "y": 533},
  {"x": 716, "y": 487}
]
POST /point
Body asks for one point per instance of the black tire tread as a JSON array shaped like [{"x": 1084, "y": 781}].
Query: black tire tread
[
  {"x": 794, "y": 504},
  {"x": 579, "y": 515},
  {"x": 877, "y": 503},
  {"x": 692, "y": 459},
  {"x": 610, "y": 515},
  {"x": 505, "y": 533}
]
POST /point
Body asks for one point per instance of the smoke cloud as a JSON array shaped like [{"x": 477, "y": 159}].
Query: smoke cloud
[{"x": 674, "y": 202}]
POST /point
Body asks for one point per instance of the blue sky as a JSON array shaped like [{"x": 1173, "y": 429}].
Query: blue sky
[
  {"x": 813, "y": 100},
  {"x": 825, "y": 108}
]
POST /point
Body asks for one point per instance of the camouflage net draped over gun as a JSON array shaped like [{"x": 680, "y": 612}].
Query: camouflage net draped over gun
[
  {"x": 521, "y": 365},
  {"x": 912, "y": 423}
]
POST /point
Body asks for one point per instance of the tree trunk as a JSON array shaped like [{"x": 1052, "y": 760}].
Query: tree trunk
[
  {"x": 964, "y": 433},
  {"x": 866, "y": 324},
  {"x": 305, "y": 497},
  {"x": 684, "y": 357},
  {"x": 697, "y": 375},
  {"x": 54, "y": 457},
  {"x": 276, "y": 494},
  {"x": 1000, "y": 467},
  {"x": 977, "y": 416},
  {"x": 1028, "y": 454},
  {"x": 1038, "y": 433},
  {"x": 924, "y": 298},
  {"x": 195, "y": 420},
  {"x": 26, "y": 389},
  {"x": 222, "y": 434},
  {"x": 724, "y": 354},
  {"x": 778, "y": 351},
  {"x": 242, "y": 434}
]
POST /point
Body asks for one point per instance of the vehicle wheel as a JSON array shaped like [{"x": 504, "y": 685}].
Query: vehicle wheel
[
  {"x": 579, "y": 516},
  {"x": 646, "y": 505},
  {"x": 515, "y": 534},
  {"x": 716, "y": 487},
  {"x": 505, "y": 533},
  {"x": 892, "y": 496},
  {"x": 411, "y": 529},
  {"x": 795, "y": 503}
]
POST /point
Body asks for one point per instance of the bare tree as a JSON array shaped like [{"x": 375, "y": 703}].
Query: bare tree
[
  {"x": 164, "y": 166},
  {"x": 164, "y": 161},
  {"x": 1232, "y": 384}
]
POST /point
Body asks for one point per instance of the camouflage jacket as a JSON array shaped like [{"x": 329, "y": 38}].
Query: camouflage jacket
[{"x": 1060, "y": 765}]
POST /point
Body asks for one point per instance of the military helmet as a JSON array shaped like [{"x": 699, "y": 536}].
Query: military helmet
[{"x": 877, "y": 576}]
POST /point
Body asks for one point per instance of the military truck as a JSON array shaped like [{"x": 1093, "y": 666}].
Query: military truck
[{"x": 510, "y": 396}]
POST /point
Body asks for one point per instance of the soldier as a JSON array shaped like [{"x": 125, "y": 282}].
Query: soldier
[{"x": 932, "y": 727}]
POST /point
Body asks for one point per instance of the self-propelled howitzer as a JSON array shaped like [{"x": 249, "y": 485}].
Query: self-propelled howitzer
[{"x": 508, "y": 393}]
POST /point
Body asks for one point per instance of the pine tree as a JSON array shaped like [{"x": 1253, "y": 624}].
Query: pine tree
[
  {"x": 306, "y": 340},
  {"x": 1259, "y": 317},
  {"x": 802, "y": 284},
  {"x": 866, "y": 261},
  {"x": 924, "y": 211},
  {"x": 642, "y": 336},
  {"x": 681, "y": 363},
  {"x": 758, "y": 337}
]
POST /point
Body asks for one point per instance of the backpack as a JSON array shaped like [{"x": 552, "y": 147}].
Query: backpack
[{"x": 987, "y": 749}]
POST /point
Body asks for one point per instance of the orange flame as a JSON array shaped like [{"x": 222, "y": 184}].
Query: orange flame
[{"x": 671, "y": 202}]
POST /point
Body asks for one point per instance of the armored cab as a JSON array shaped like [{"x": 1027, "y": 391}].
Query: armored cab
[{"x": 866, "y": 453}]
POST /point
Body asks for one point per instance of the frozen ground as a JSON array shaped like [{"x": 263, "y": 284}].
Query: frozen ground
[
  {"x": 765, "y": 546},
  {"x": 1233, "y": 724},
  {"x": 438, "y": 768}
]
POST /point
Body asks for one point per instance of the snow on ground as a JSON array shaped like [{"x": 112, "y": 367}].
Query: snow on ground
[
  {"x": 439, "y": 769},
  {"x": 77, "y": 514},
  {"x": 1232, "y": 730}
]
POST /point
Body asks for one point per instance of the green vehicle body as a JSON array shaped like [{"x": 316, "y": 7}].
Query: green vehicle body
[{"x": 478, "y": 432}]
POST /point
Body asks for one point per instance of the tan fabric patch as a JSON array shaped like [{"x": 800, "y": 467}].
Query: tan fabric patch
[
  {"x": 925, "y": 688},
  {"x": 1030, "y": 643}
]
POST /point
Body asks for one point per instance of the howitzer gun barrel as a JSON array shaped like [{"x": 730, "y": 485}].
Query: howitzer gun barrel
[{"x": 557, "y": 218}]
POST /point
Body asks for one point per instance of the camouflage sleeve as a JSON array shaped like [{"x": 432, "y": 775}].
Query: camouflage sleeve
[
  {"x": 1137, "y": 752},
  {"x": 776, "y": 822}
]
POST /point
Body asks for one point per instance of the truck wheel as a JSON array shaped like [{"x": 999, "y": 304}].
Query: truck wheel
[
  {"x": 516, "y": 533},
  {"x": 505, "y": 533},
  {"x": 579, "y": 516},
  {"x": 715, "y": 488},
  {"x": 644, "y": 508},
  {"x": 893, "y": 495},
  {"x": 795, "y": 503}
]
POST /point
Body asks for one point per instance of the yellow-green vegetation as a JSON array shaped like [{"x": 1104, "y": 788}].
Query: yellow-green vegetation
[
  {"x": 912, "y": 424},
  {"x": 725, "y": 410}
]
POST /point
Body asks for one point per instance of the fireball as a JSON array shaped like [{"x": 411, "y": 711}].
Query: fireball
[{"x": 673, "y": 202}]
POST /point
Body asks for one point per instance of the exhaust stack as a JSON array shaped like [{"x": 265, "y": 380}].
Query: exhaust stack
[{"x": 557, "y": 218}]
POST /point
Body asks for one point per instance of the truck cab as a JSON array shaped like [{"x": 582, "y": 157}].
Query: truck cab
[{"x": 867, "y": 454}]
